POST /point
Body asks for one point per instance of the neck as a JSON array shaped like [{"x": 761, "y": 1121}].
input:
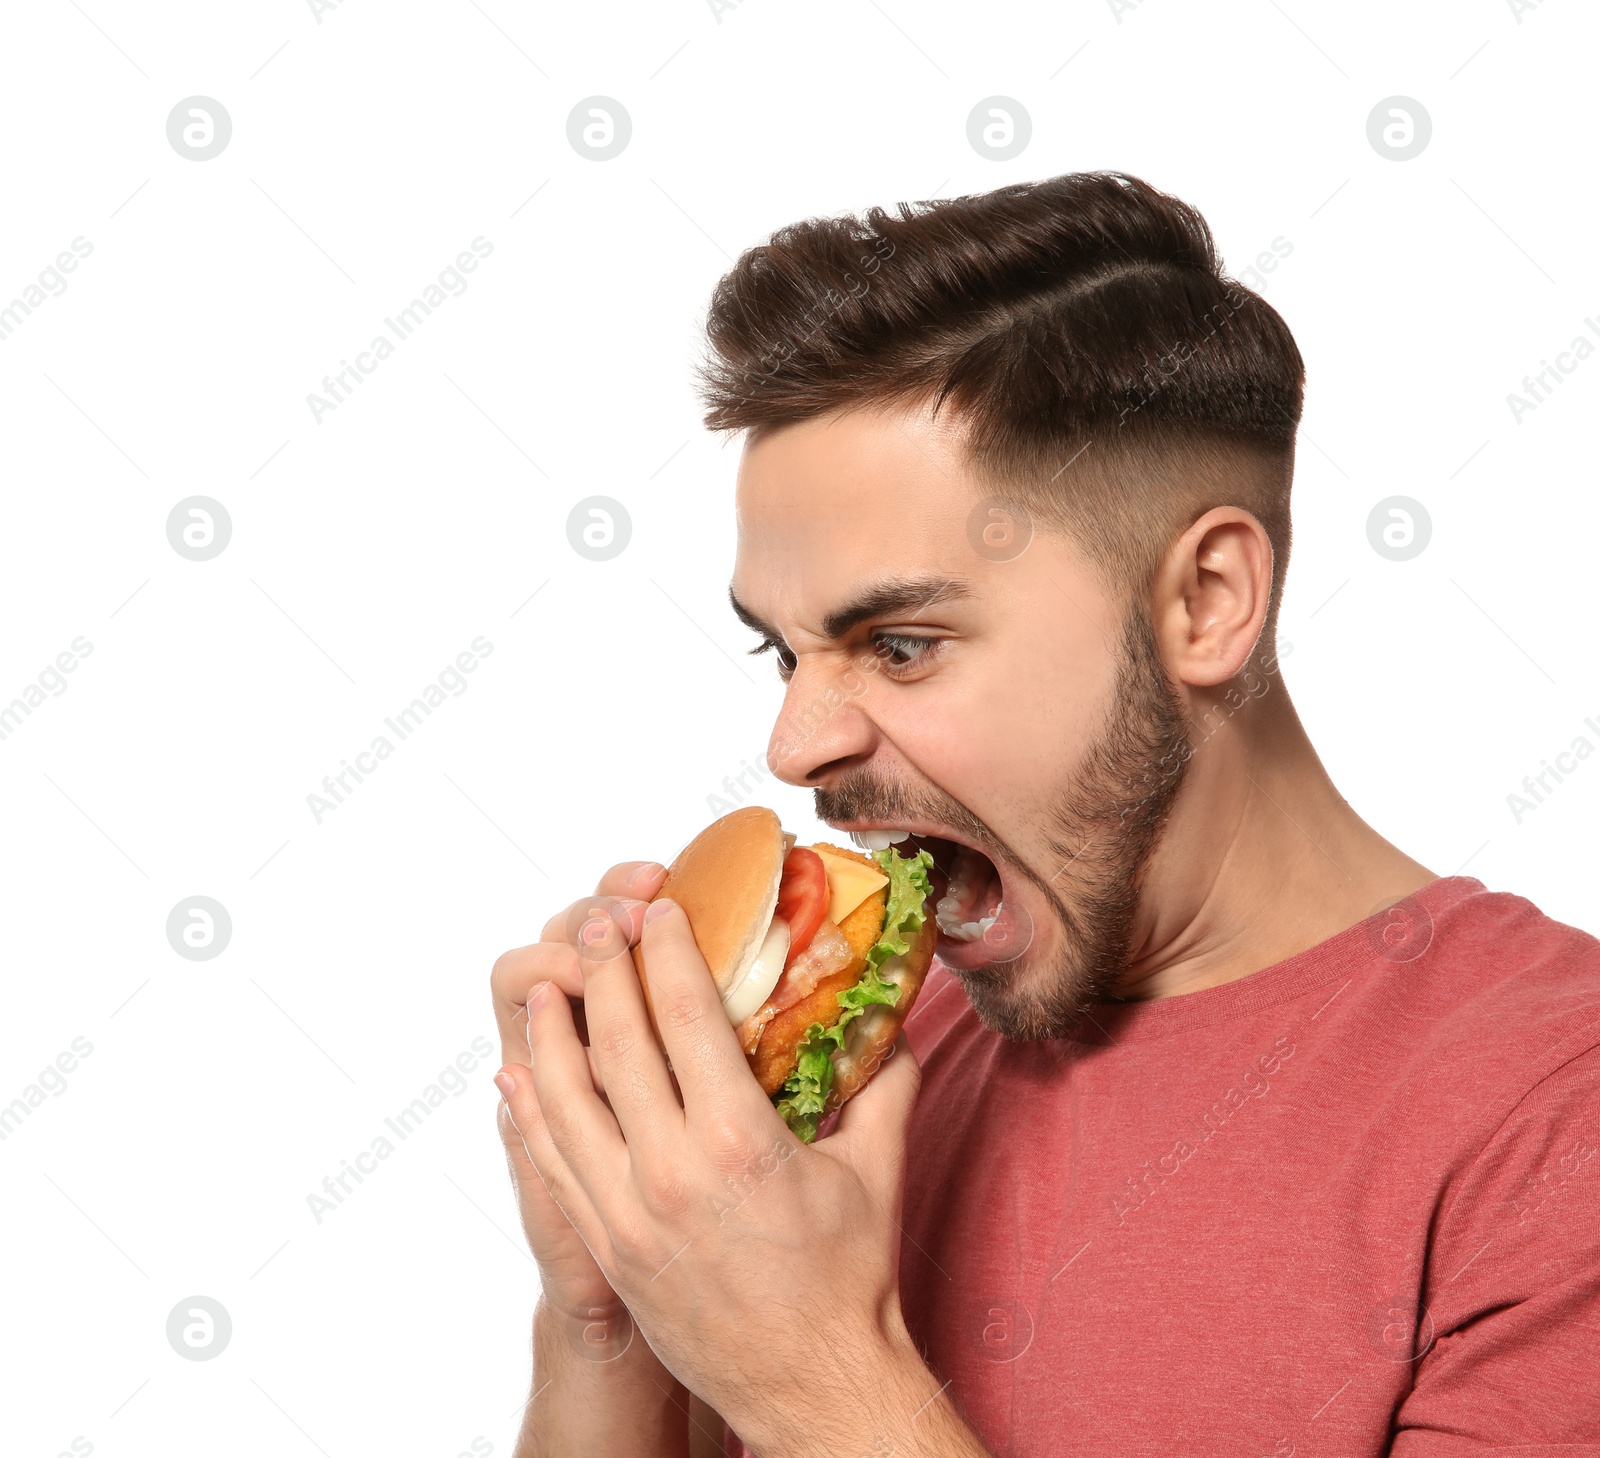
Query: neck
[{"x": 1261, "y": 858}]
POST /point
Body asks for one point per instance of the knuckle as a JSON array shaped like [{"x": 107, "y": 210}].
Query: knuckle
[
  {"x": 735, "y": 1151},
  {"x": 684, "y": 1012},
  {"x": 615, "y": 1040},
  {"x": 517, "y": 970},
  {"x": 562, "y": 1121},
  {"x": 667, "y": 1191},
  {"x": 632, "y": 1240},
  {"x": 505, "y": 968},
  {"x": 563, "y": 926}
]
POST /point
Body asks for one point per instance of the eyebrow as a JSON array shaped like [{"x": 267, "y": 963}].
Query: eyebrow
[{"x": 894, "y": 595}]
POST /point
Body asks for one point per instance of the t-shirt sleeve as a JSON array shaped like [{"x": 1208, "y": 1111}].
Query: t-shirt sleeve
[{"x": 1510, "y": 1337}]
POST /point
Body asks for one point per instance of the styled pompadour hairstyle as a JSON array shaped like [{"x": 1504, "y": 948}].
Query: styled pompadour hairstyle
[{"x": 1107, "y": 373}]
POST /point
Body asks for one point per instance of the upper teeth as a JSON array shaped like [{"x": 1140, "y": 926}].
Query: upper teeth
[{"x": 878, "y": 839}]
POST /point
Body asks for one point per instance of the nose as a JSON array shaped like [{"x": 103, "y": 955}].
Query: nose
[{"x": 821, "y": 729}]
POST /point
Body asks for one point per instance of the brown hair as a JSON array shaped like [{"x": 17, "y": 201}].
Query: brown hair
[{"x": 1109, "y": 375}]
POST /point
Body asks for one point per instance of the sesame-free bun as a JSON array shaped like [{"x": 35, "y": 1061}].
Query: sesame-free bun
[{"x": 726, "y": 880}]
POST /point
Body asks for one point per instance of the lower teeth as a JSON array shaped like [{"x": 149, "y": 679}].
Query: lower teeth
[
  {"x": 949, "y": 906},
  {"x": 965, "y": 931}
]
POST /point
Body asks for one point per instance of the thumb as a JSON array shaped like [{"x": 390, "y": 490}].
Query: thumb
[{"x": 873, "y": 1127}]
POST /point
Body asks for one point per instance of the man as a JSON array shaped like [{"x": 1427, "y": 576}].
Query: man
[{"x": 1239, "y": 1131}]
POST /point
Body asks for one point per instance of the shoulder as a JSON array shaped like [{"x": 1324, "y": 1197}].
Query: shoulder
[
  {"x": 1466, "y": 1035},
  {"x": 1493, "y": 962}
]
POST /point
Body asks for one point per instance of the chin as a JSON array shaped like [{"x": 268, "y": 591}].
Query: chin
[{"x": 1022, "y": 999}]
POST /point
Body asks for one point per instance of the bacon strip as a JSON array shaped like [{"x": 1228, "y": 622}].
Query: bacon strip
[{"x": 828, "y": 953}]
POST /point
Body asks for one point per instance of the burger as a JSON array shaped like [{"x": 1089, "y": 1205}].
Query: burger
[{"x": 818, "y": 953}]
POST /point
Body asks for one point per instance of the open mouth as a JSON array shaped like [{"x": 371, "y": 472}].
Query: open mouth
[{"x": 977, "y": 923}]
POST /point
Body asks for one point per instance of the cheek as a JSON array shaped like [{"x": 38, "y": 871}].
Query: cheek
[{"x": 1006, "y": 727}]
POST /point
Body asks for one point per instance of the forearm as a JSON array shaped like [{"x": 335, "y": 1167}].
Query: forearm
[{"x": 598, "y": 1390}]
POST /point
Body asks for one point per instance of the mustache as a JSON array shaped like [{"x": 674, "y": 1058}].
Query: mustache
[{"x": 857, "y": 795}]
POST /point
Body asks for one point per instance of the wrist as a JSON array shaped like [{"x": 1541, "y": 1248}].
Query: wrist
[
  {"x": 598, "y": 1387},
  {"x": 598, "y": 1332},
  {"x": 873, "y": 1400}
]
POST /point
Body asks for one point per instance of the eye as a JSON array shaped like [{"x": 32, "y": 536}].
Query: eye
[
  {"x": 786, "y": 659},
  {"x": 904, "y": 650}
]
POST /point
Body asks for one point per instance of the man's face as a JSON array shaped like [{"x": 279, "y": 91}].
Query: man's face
[{"x": 999, "y": 704}]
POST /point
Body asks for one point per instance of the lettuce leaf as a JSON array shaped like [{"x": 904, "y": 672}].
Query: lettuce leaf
[
  {"x": 905, "y": 912},
  {"x": 804, "y": 1095}
]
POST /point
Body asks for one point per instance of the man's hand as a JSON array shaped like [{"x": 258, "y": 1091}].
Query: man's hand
[
  {"x": 763, "y": 1272},
  {"x": 569, "y": 1277}
]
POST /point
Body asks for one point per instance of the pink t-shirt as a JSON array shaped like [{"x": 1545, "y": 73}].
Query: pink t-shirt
[{"x": 1348, "y": 1205}]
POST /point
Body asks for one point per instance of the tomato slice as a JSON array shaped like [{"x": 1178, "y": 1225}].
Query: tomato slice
[{"x": 802, "y": 898}]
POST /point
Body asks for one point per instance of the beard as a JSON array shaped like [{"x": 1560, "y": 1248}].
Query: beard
[{"x": 1100, "y": 832}]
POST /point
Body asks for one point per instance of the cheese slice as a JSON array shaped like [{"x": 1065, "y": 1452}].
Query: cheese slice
[{"x": 849, "y": 884}]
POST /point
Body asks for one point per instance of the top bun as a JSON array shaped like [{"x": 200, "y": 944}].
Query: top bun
[{"x": 726, "y": 880}]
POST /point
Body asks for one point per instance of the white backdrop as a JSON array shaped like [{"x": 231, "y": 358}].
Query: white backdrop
[{"x": 178, "y": 1112}]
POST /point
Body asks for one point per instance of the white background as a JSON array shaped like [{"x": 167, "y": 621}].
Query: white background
[{"x": 369, "y": 148}]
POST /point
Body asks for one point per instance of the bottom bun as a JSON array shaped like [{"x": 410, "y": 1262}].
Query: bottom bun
[{"x": 869, "y": 1040}]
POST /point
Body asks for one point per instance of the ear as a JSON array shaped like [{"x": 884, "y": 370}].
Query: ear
[{"x": 1211, "y": 596}]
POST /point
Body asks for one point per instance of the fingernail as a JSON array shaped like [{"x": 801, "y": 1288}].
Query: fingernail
[
  {"x": 659, "y": 908},
  {"x": 644, "y": 871},
  {"x": 535, "y": 993},
  {"x": 503, "y": 1082}
]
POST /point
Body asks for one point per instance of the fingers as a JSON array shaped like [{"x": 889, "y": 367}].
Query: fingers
[
  {"x": 523, "y": 1174},
  {"x": 708, "y": 1062},
  {"x": 576, "y": 1144},
  {"x": 629, "y": 1063},
  {"x": 623, "y": 893},
  {"x": 871, "y": 1132},
  {"x": 529, "y": 1150},
  {"x": 639, "y": 880},
  {"x": 629, "y": 881},
  {"x": 553, "y": 959},
  {"x": 516, "y": 973}
]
